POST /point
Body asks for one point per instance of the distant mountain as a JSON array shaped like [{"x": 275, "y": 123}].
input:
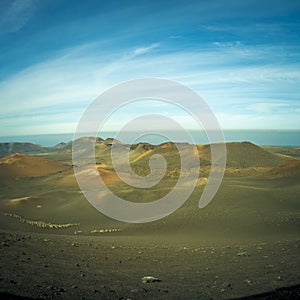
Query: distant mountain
[
  {"x": 244, "y": 155},
  {"x": 61, "y": 145},
  {"x": 239, "y": 154},
  {"x": 8, "y": 148},
  {"x": 284, "y": 151}
]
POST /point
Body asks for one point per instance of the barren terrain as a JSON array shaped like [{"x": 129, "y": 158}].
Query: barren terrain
[{"x": 56, "y": 245}]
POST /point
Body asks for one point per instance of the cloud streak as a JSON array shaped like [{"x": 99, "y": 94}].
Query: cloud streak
[
  {"x": 69, "y": 82},
  {"x": 144, "y": 50}
]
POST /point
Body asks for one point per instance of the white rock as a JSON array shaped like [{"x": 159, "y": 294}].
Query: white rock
[{"x": 147, "y": 279}]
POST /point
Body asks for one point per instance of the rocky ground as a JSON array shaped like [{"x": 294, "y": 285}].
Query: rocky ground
[{"x": 112, "y": 267}]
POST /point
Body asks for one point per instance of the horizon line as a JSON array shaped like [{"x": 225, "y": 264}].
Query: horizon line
[{"x": 164, "y": 130}]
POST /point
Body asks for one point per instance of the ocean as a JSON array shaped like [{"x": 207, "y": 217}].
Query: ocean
[{"x": 288, "y": 138}]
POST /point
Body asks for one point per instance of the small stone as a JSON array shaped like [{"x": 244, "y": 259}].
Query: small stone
[
  {"x": 226, "y": 286},
  {"x": 134, "y": 291},
  {"x": 12, "y": 281},
  {"x": 148, "y": 279},
  {"x": 249, "y": 282},
  {"x": 50, "y": 287},
  {"x": 243, "y": 254},
  {"x": 269, "y": 267}
]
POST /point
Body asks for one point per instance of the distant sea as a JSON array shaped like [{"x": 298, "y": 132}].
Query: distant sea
[{"x": 289, "y": 138}]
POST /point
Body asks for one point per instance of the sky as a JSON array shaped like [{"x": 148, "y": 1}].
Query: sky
[{"x": 56, "y": 57}]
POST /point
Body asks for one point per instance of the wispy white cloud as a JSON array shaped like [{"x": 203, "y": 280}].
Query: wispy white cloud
[
  {"x": 144, "y": 50},
  {"x": 58, "y": 90},
  {"x": 67, "y": 84},
  {"x": 268, "y": 28},
  {"x": 253, "y": 121},
  {"x": 227, "y": 44},
  {"x": 263, "y": 108}
]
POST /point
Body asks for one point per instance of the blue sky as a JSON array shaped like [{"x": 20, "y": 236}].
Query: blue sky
[{"x": 242, "y": 57}]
